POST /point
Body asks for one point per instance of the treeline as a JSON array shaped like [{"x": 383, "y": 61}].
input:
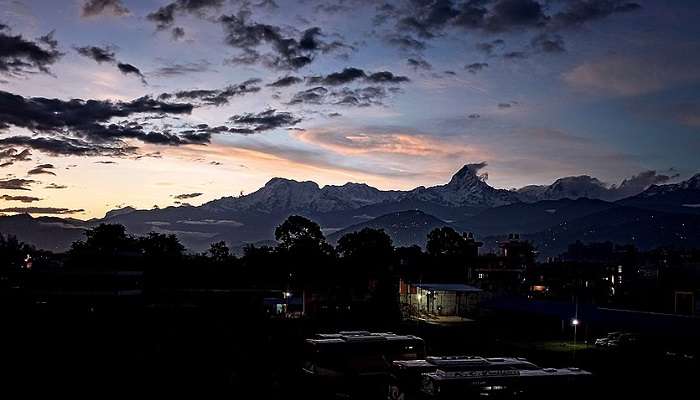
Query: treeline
[{"x": 301, "y": 257}]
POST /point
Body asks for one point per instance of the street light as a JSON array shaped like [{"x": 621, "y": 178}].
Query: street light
[{"x": 574, "y": 323}]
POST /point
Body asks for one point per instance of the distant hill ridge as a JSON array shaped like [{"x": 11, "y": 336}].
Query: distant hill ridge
[{"x": 466, "y": 202}]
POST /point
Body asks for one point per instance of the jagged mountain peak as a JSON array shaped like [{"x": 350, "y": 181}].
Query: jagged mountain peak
[
  {"x": 466, "y": 188},
  {"x": 119, "y": 211},
  {"x": 468, "y": 175},
  {"x": 277, "y": 182},
  {"x": 692, "y": 183}
]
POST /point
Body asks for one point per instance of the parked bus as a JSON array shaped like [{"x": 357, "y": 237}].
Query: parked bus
[
  {"x": 406, "y": 376},
  {"x": 356, "y": 362}
]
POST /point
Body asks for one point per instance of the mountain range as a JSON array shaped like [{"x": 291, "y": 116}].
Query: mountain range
[{"x": 552, "y": 216}]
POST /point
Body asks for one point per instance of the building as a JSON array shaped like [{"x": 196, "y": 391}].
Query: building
[
  {"x": 434, "y": 300},
  {"x": 471, "y": 246},
  {"x": 504, "y": 273}
]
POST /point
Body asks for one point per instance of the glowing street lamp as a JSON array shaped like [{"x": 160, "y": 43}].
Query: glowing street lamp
[{"x": 574, "y": 323}]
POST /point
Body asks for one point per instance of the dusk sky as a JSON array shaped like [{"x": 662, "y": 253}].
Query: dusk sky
[{"x": 216, "y": 97}]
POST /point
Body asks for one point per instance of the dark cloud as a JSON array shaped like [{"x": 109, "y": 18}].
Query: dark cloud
[
  {"x": 65, "y": 146},
  {"x": 548, "y": 43},
  {"x": 286, "y": 81},
  {"x": 23, "y": 199},
  {"x": 338, "y": 78},
  {"x": 358, "y": 97},
  {"x": 269, "y": 4},
  {"x": 164, "y": 17},
  {"x": 246, "y": 57},
  {"x": 92, "y": 8},
  {"x": 155, "y": 154},
  {"x": 361, "y": 97},
  {"x": 505, "y": 105},
  {"x": 288, "y": 53},
  {"x": 515, "y": 55},
  {"x": 351, "y": 74},
  {"x": 428, "y": 19},
  {"x": 418, "y": 63},
  {"x": 55, "y": 186},
  {"x": 107, "y": 54},
  {"x": 19, "y": 56},
  {"x": 185, "y": 196},
  {"x": 83, "y": 127},
  {"x": 99, "y": 54},
  {"x": 316, "y": 95},
  {"x": 386, "y": 77},
  {"x": 178, "y": 69},
  {"x": 331, "y": 8},
  {"x": 578, "y": 12},
  {"x": 178, "y": 32},
  {"x": 474, "y": 116},
  {"x": 42, "y": 169},
  {"x": 250, "y": 123},
  {"x": 509, "y": 14},
  {"x": 216, "y": 97},
  {"x": 16, "y": 184},
  {"x": 475, "y": 67},
  {"x": 9, "y": 156},
  {"x": 41, "y": 210},
  {"x": 405, "y": 42},
  {"x": 489, "y": 47},
  {"x": 127, "y": 69}
]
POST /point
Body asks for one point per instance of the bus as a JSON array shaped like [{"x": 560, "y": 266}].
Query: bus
[
  {"x": 540, "y": 383},
  {"x": 406, "y": 376},
  {"x": 356, "y": 363}
]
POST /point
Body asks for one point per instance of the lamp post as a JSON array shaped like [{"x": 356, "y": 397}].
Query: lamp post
[{"x": 575, "y": 322}]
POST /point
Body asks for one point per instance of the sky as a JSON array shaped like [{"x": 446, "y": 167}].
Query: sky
[{"x": 154, "y": 103}]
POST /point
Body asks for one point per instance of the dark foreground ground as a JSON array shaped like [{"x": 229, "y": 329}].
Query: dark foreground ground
[{"x": 221, "y": 352}]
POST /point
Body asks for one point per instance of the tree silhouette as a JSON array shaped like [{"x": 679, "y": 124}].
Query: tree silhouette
[
  {"x": 13, "y": 253},
  {"x": 368, "y": 259},
  {"x": 161, "y": 245},
  {"x": 107, "y": 246},
  {"x": 445, "y": 241},
  {"x": 105, "y": 239},
  {"x": 303, "y": 247},
  {"x": 297, "y": 231},
  {"x": 219, "y": 252},
  {"x": 369, "y": 250}
]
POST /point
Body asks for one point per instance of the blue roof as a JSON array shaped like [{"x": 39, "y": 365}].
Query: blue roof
[{"x": 448, "y": 287}]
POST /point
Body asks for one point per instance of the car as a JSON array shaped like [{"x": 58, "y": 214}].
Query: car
[
  {"x": 623, "y": 341},
  {"x": 604, "y": 341}
]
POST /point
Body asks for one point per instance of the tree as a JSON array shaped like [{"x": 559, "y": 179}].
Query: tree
[
  {"x": 306, "y": 255},
  {"x": 105, "y": 240},
  {"x": 369, "y": 250},
  {"x": 411, "y": 262},
  {"x": 219, "y": 252},
  {"x": 368, "y": 257},
  {"x": 161, "y": 245},
  {"x": 297, "y": 231},
  {"x": 13, "y": 253},
  {"x": 445, "y": 241},
  {"x": 105, "y": 246}
]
